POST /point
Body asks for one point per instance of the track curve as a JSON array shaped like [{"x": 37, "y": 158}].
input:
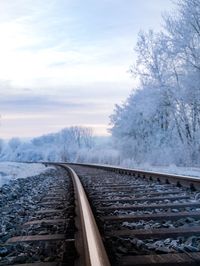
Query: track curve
[
  {"x": 142, "y": 218},
  {"x": 146, "y": 218}
]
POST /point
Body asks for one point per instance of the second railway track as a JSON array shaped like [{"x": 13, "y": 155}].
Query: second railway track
[{"x": 142, "y": 218}]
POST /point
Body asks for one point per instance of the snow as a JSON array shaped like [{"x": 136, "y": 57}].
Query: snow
[
  {"x": 167, "y": 169},
  {"x": 173, "y": 169},
  {"x": 61, "y": 146},
  {"x": 158, "y": 126},
  {"x": 189, "y": 172},
  {"x": 159, "y": 123},
  {"x": 12, "y": 170}
]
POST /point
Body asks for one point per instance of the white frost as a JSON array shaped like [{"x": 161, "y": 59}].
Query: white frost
[{"x": 11, "y": 170}]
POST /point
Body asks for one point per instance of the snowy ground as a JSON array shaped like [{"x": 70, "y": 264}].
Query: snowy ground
[
  {"x": 171, "y": 169},
  {"x": 11, "y": 170}
]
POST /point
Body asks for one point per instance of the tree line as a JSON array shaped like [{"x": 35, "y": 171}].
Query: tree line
[{"x": 160, "y": 120}]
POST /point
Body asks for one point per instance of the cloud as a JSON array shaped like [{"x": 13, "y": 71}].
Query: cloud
[
  {"x": 65, "y": 62},
  {"x": 40, "y": 103},
  {"x": 38, "y": 37}
]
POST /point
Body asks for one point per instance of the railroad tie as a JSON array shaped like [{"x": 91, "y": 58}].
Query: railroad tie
[
  {"x": 162, "y": 260},
  {"x": 152, "y": 206},
  {"x": 156, "y": 216},
  {"x": 157, "y": 233},
  {"x": 33, "y": 238},
  {"x": 52, "y": 221}
]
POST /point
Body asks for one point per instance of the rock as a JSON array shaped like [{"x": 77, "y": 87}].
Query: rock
[
  {"x": 3, "y": 251},
  {"x": 163, "y": 249},
  {"x": 190, "y": 241},
  {"x": 49, "y": 259},
  {"x": 190, "y": 248},
  {"x": 21, "y": 258},
  {"x": 159, "y": 243},
  {"x": 197, "y": 196},
  {"x": 167, "y": 241},
  {"x": 156, "y": 225},
  {"x": 139, "y": 243},
  {"x": 175, "y": 210},
  {"x": 122, "y": 249},
  {"x": 190, "y": 220},
  {"x": 147, "y": 226},
  {"x": 150, "y": 246}
]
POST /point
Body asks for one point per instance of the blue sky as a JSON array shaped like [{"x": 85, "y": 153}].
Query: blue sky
[{"x": 66, "y": 62}]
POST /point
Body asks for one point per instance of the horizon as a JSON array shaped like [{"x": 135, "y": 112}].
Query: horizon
[{"x": 27, "y": 139}]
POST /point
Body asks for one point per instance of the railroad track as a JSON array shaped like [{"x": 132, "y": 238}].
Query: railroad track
[
  {"x": 143, "y": 218},
  {"x": 60, "y": 230}
]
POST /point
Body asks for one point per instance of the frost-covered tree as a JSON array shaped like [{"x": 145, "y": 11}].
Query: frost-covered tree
[
  {"x": 160, "y": 122},
  {"x": 1, "y": 145},
  {"x": 14, "y": 143},
  {"x": 73, "y": 139},
  {"x": 184, "y": 37},
  {"x": 62, "y": 146}
]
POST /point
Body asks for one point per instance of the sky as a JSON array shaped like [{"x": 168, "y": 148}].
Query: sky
[{"x": 66, "y": 62}]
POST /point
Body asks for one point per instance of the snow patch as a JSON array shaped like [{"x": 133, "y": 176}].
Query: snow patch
[
  {"x": 12, "y": 170},
  {"x": 168, "y": 169}
]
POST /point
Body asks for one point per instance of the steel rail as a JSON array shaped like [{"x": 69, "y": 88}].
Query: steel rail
[
  {"x": 185, "y": 258},
  {"x": 179, "y": 180},
  {"x": 92, "y": 249}
]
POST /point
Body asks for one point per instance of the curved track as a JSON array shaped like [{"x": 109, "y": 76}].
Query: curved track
[
  {"x": 142, "y": 218},
  {"x": 145, "y": 218}
]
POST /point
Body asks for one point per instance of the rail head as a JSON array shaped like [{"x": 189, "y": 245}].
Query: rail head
[
  {"x": 93, "y": 248},
  {"x": 180, "y": 180}
]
